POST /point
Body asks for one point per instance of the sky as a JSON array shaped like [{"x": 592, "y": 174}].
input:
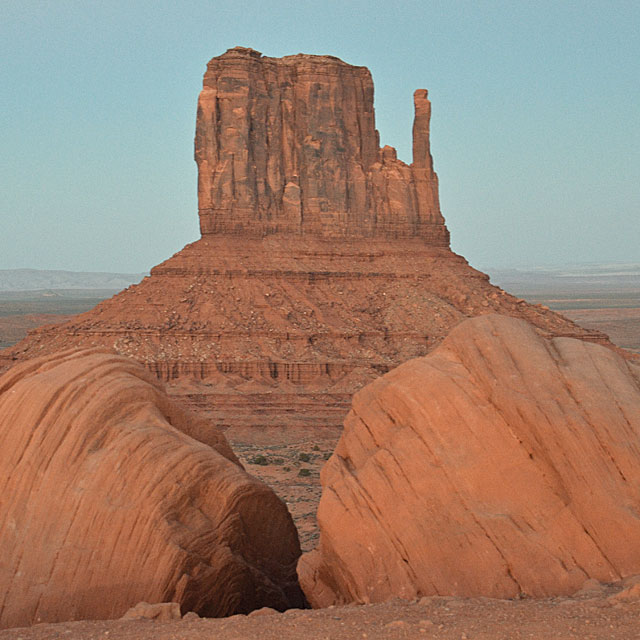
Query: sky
[{"x": 535, "y": 128}]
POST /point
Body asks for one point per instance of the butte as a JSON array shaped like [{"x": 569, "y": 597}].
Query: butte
[{"x": 324, "y": 260}]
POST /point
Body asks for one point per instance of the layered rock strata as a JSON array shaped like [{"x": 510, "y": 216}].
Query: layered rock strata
[
  {"x": 324, "y": 260},
  {"x": 306, "y": 320},
  {"x": 502, "y": 463},
  {"x": 113, "y": 495}
]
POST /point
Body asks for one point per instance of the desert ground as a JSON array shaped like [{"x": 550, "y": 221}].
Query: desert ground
[
  {"x": 606, "y": 298},
  {"x": 21, "y": 311},
  {"x": 594, "y": 614}
]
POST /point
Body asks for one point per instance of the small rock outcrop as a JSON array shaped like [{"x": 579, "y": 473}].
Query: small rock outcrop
[
  {"x": 161, "y": 611},
  {"x": 501, "y": 463},
  {"x": 107, "y": 502}
]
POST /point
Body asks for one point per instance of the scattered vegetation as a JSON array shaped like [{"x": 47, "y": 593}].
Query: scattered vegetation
[
  {"x": 305, "y": 473},
  {"x": 259, "y": 459},
  {"x": 304, "y": 457}
]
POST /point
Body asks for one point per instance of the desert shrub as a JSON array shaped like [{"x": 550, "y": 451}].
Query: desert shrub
[
  {"x": 304, "y": 472},
  {"x": 259, "y": 459},
  {"x": 304, "y": 457}
]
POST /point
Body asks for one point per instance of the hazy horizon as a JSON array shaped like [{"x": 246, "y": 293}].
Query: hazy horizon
[{"x": 534, "y": 133}]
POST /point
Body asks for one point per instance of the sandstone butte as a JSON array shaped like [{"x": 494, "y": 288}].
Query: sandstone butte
[
  {"x": 502, "y": 463},
  {"x": 324, "y": 260},
  {"x": 110, "y": 494}
]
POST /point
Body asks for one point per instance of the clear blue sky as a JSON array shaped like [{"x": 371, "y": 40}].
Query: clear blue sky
[{"x": 535, "y": 125}]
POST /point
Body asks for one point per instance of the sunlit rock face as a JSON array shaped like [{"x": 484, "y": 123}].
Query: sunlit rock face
[
  {"x": 290, "y": 145},
  {"x": 501, "y": 463},
  {"x": 111, "y": 495}
]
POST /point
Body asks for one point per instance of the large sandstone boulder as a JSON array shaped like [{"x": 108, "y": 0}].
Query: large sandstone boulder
[
  {"x": 502, "y": 463},
  {"x": 105, "y": 501}
]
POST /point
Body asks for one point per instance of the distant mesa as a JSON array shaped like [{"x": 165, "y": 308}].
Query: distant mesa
[
  {"x": 113, "y": 495},
  {"x": 324, "y": 260},
  {"x": 501, "y": 464}
]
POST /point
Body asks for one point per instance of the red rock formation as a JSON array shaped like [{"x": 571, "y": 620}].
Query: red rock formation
[
  {"x": 106, "y": 501},
  {"x": 289, "y": 145},
  {"x": 500, "y": 463},
  {"x": 324, "y": 259}
]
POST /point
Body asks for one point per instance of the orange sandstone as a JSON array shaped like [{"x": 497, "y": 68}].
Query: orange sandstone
[
  {"x": 324, "y": 259},
  {"x": 501, "y": 463},
  {"x": 107, "y": 500}
]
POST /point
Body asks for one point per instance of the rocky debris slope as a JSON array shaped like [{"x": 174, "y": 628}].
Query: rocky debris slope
[
  {"x": 324, "y": 260},
  {"x": 112, "y": 495},
  {"x": 500, "y": 464},
  {"x": 301, "y": 323}
]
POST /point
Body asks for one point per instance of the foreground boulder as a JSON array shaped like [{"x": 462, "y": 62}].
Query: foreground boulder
[
  {"x": 502, "y": 463},
  {"x": 105, "y": 501}
]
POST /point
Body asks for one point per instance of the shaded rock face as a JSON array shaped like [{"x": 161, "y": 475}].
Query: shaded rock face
[
  {"x": 501, "y": 463},
  {"x": 324, "y": 260},
  {"x": 106, "y": 502},
  {"x": 290, "y": 145}
]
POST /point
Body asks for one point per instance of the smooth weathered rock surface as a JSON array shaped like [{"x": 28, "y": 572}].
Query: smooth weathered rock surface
[
  {"x": 502, "y": 463},
  {"x": 323, "y": 262},
  {"x": 106, "y": 501}
]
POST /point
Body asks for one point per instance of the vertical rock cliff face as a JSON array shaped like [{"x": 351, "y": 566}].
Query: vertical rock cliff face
[{"x": 290, "y": 144}]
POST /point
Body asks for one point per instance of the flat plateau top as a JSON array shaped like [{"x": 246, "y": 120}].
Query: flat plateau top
[{"x": 247, "y": 53}]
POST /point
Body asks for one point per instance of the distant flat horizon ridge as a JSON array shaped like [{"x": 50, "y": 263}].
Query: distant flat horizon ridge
[
  {"x": 26, "y": 279},
  {"x": 590, "y": 279}
]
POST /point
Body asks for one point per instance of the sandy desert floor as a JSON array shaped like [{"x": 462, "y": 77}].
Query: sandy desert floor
[
  {"x": 292, "y": 469},
  {"x": 591, "y": 615},
  {"x": 621, "y": 325},
  {"x": 15, "y": 327}
]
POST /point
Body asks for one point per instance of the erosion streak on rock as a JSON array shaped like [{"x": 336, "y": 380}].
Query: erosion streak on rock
[
  {"x": 501, "y": 463},
  {"x": 112, "y": 495},
  {"x": 290, "y": 145}
]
